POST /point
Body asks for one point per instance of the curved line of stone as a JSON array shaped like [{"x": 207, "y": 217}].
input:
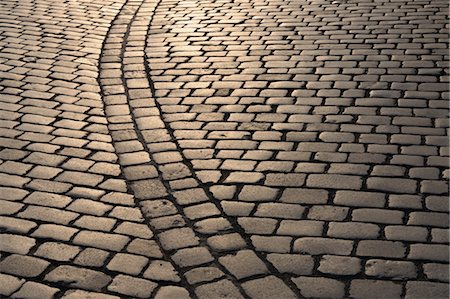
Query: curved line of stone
[
  {"x": 162, "y": 179},
  {"x": 121, "y": 124}
]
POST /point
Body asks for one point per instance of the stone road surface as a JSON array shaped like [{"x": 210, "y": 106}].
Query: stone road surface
[{"x": 224, "y": 149}]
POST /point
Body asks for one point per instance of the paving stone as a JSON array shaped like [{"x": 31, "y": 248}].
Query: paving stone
[
  {"x": 257, "y": 193},
  {"x": 35, "y": 290},
  {"x": 381, "y": 248},
  {"x": 244, "y": 263},
  {"x": 23, "y": 266},
  {"x": 316, "y": 246},
  {"x": 391, "y": 269},
  {"x": 268, "y": 287},
  {"x": 100, "y": 240},
  {"x": 319, "y": 287},
  {"x": 16, "y": 244},
  {"x": 10, "y": 224},
  {"x": 220, "y": 289},
  {"x": 436, "y": 271},
  {"x": 203, "y": 274},
  {"x": 335, "y": 181},
  {"x": 78, "y": 277},
  {"x": 292, "y": 263},
  {"x": 424, "y": 289},
  {"x": 178, "y": 238},
  {"x": 9, "y": 284},
  {"x": 91, "y": 257},
  {"x": 54, "y": 231},
  {"x": 192, "y": 256},
  {"x": 57, "y": 251},
  {"x": 143, "y": 247},
  {"x": 161, "y": 270},
  {"x": 166, "y": 292},
  {"x": 132, "y": 286},
  {"x": 353, "y": 230},
  {"x": 127, "y": 263},
  {"x": 280, "y": 210},
  {"x": 339, "y": 265},
  {"x": 78, "y": 294},
  {"x": 374, "y": 289},
  {"x": 434, "y": 252}
]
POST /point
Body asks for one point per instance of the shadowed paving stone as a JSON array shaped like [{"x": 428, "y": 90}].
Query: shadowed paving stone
[
  {"x": 328, "y": 213},
  {"x": 257, "y": 193},
  {"x": 9, "y": 284},
  {"x": 202, "y": 274},
  {"x": 381, "y": 248},
  {"x": 334, "y": 181},
  {"x": 374, "y": 289},
  {"x": 436, "y": 271},
  {"x": 35, "y": 290},
  {"x": 79, "y": 277},
  {"x": 149, "y": 189},
  {"x": 268, "y": 288},
  {"x": 167, "y": 292},
  {"x": 292, "y": 263},
  {"x": 424, "y": 289},
  {"x": 315, "y": 246},
  {"x": 220, "y": 289},
  {"x": 192, "y": 256},
  {"x": 132, "y": 286},
  {"x": 300, "y": 228},
  {"x": 178, "y": 238},
  {"x": 434, "y": 252},
  {"x": 280, "y": 210},
  {"x": 272, "y": 243},
  {"x": 395, "y": 185},
  {"x": 359, "y": 199},
  {"x": 21, "y": 265},
  {"x": 244, "y": 263},
  {"x": 319, "y": 287},
  {"x": 285, "y": 179},
  {"x": 304, "y": 196},
  {"x": 161, "y": 270}
]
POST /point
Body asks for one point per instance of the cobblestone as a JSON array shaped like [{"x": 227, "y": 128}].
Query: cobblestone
[{"x": 223, "y": 149}]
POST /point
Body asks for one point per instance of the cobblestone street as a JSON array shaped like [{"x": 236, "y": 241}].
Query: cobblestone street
[{"x": 224, "y": 149}]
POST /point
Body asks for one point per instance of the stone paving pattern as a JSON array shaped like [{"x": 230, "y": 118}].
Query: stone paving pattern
[{"x": 224, "y": 149}]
